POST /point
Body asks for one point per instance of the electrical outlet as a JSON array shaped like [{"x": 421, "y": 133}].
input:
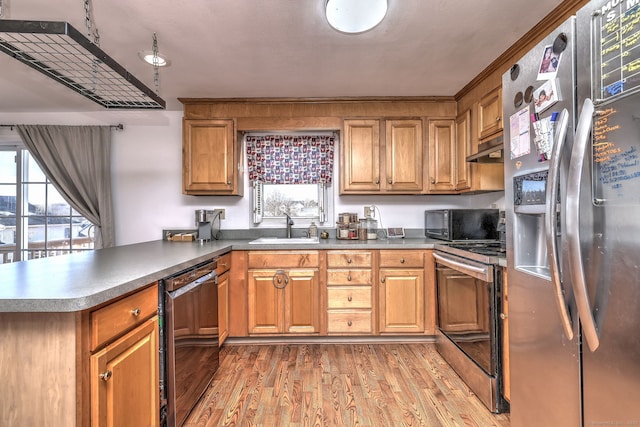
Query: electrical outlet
[{"x": 219, "y": 212}]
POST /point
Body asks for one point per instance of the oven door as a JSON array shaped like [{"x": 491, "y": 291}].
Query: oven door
[
  {"x": 466, "y": 307},
  {"x": 192, "y": 344}
]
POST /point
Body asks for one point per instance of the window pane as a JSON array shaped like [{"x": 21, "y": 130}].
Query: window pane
[
  {"x": 296, "y": 200},
  {"x": 7, "y": 167},
  {"x": 33, "y": 173}
]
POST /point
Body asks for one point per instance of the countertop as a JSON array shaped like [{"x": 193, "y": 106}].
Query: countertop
[{"x": 80, "y": 281}]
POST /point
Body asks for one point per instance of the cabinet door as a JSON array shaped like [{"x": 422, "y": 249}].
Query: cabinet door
[
  {"x": 490, "y": 114},
  {"x": 124, "y": 380},
  {"x": 265, "y": 302},
  {"x": 401, "y": 300},
  {"x": 442, "y": 155},
  {"x": 223, "y": 307},
  {"x": 462, "y": 302},
  {"x": 403, "y": 156},
  {"x": 463, "y": 147},
  {"x": 302, "y": 296},
  {"x": 504, "y": 316},
  {"x": 209, "y": 158},
  {"x": 360, "y": 160}
]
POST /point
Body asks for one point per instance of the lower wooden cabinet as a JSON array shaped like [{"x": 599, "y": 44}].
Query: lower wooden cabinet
[
  {"x": 124, "y": 380},
  {"x": 401, "y": 292}
]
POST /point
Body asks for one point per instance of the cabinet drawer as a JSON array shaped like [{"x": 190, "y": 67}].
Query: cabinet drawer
[
  {"x": 349, "y": 297},
  {"x": 224, "y": 263},
  {"x": 349, "y": 277},
  {"x": 349, "y": 322},
  {"x": 348, "y": 259},
  {"x": 114, "y": 319},
  {"x": 402, "y": 259},
  {"x": 283, "y": 259}
]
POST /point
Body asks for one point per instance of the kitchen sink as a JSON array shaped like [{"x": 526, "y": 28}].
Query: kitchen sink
[{"x": 283, "y": 240}]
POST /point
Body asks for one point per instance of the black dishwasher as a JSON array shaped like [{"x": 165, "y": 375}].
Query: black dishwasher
[{"x": 189, "y": 357}]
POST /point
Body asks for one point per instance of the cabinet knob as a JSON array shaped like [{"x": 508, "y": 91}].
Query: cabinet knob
[
  {"x": 433, "y": 180},
  {"x": 135, "y": 312},
  {"x": 349, "y": 261},
  {"x": 503, "y": 316},
  {"x": 377, "y": 180},
  {"x": 389, "y": 181},
  {"x": 349, "y": 298},
  {"x": 401, "y": 260},
  {"x": 498, "y": 118},
  {"x": 106, "y": 375},
  {"x": 349, "y": 323},
  {"x": 382, "y": 279},
  {"x": 348, "y": 278},
  {"x": 228, "y": 182}
]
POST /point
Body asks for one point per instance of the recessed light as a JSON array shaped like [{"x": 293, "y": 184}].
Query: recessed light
[{"x": 148, "y": 57}]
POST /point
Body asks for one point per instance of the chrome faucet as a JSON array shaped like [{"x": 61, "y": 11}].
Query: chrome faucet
[{"x": 289, "y": 224}]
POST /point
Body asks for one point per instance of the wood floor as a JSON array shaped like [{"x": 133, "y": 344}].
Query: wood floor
[{"x": 338, "y": 385}]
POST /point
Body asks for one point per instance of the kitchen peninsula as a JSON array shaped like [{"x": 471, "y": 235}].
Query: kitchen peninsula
[{"x": 55, "y": 315}]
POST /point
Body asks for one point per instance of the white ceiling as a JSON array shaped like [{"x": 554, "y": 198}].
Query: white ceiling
[{"x": 277, "y": 48}]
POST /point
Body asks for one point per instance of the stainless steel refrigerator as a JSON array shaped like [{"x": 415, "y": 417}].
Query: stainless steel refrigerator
[{"x": 572, "y": 201}]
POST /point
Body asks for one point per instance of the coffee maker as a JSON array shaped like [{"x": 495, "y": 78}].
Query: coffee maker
[{"x": 204, "y": 219}]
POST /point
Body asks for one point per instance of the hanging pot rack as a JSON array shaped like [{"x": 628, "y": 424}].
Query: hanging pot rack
[{"x": 62, "y": 53}]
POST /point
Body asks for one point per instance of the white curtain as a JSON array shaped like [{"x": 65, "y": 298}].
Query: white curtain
[{"x": 77, "y": 161}]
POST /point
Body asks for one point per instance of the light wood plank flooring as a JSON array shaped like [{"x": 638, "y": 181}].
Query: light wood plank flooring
[{"x": 338, "y": 385}]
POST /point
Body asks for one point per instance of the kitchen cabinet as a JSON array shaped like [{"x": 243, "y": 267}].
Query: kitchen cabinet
[
  {"x": 349, "y": 292},
  {"x": 211, "y": 158},
  {"x": 442, "y": 177},
  {"x": 401, "y": 291},
  {"x": 224, "y": 265},
  {"x": 283, "y": 292},
  {"x": 372, "y": 164},
  {"x": 490, "y": 114},
  {"x": 458, "y": 292},
  {"x": 124, "y": 373},
  {"x": 463, "y": 147}
]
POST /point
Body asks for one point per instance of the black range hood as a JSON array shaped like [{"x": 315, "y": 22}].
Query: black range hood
[{"x": 491, "y": 151}]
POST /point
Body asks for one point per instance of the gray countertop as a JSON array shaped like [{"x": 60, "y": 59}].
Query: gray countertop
[{"x": 84, "y": 280}]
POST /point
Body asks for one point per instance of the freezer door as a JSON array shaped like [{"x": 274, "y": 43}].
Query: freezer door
[
  {"x": 545, "y": 362},
  {"x": 609, "y": 216}
]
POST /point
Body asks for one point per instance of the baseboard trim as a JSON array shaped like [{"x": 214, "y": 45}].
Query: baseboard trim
[{"x": 404, "y": 339}]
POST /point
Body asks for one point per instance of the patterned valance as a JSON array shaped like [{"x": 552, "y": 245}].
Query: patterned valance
[{"x": 290, "y": 159}]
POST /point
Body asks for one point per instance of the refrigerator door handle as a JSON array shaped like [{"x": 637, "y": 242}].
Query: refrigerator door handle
[
  {"x": 551, "y": 222},
  {"x": 574, "y": 180}
]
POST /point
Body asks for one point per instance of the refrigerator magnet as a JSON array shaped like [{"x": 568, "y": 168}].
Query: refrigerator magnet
[
  {"x": 545, "y": 96},
  {"x": 549, "y": 63}
]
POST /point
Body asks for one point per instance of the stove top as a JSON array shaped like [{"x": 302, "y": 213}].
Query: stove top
[{"x": 484, "y": 252}]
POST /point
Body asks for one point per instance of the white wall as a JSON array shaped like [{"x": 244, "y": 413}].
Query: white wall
[{"x": 147, "y": 179}]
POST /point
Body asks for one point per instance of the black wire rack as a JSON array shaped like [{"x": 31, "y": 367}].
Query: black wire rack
[{"x": 62, "y": 53}]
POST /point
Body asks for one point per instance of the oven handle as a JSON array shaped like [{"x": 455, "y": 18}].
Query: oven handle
[
  {"x": 551, "y": 224},
  {"x": 483, "y": 272}
]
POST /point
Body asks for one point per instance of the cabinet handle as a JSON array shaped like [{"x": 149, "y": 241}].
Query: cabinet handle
[
  {"x": 349, "y": 298},
  {"x": 135, "y": 312},
  {"x": 228, "y": 182},
  {"x": 106, "y": 375},
  {"x": 348, "y": 278},
  {"x": 377, "y": 180},
  {"x": 348, "y": 260},
  {"x": 224, "y": 264},
  {"x": 503, "y": 316},
  {"x": 401, "y": 260},
  {"x": 498, "y": 118},
  {"x": 433, "y": 180},
  {"x": 389, "y": 181},
  {"x": 277, "y": 276},
  {"x": 349, "y": 323},
  {"x": 382, "y": 279}
]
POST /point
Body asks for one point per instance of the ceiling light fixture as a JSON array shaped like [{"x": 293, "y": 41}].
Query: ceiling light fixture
[
  {"x": 62, "y": 53},
  {"x": 148, "y": 57},
  {"x": 355, "y": 16}
]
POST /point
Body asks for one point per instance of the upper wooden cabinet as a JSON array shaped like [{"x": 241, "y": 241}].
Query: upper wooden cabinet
[
  {"x": 371, "y": 164},
  {"x": 463, "y": 147},
  {"x": 490, "y": 114},
  {"x": 442, "y": 156},
  {"x": 210, "y": 158}
]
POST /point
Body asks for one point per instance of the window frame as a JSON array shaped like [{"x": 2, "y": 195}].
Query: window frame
[{"x": 325, "y": 208}]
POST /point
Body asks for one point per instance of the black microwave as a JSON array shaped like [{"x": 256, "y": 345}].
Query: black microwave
[{"x": 461, "y": 224}]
